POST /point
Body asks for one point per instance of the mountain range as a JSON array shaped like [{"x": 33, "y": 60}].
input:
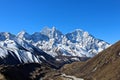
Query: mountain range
[
  {"x": 50, "y": 54},
  {"x": 104, "y": 66},
  {"x": 48, "y": 45}
]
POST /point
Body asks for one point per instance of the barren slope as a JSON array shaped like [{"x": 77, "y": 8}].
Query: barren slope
[{"x": 104, "y": 66}]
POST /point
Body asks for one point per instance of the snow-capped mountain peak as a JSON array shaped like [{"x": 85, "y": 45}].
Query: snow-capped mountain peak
[
  {"x": 72, "y": 45},
  {"x": 51, "y": 32},
  {"x": 24, "y": 35},
  {"x": 77, "y": 35},
  {"x": 6, "y": 35}
]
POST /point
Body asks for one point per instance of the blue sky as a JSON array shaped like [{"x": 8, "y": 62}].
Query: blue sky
[{"x": 101, "y": 18}]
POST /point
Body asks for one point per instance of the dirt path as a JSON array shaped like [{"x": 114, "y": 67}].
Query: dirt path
[{"x": 67, "y": 77}]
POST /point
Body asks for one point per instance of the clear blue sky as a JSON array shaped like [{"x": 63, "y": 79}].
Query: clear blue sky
[{"x": 101, "y": 18}]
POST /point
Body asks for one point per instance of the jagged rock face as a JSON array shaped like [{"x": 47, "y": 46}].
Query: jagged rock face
[
  {"x": 77, "y": 43},
  {"x": 48, "y": 45},
  {"x": 5, "y": 35}
]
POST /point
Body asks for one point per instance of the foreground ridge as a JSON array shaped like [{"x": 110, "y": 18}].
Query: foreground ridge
[{"x": 104, "y": 66}]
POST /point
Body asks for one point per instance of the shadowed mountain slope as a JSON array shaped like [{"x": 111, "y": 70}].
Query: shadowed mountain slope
[{"x": 28, "y": 71}]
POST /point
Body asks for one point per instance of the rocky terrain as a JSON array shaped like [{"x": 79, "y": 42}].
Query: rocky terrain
[{"x": 104, "y": 66}]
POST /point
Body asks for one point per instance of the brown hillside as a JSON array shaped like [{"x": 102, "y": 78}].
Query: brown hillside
[{"x": 104, "y": 66}]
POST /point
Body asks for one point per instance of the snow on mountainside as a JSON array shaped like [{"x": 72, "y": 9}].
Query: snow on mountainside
[
  {"x": 77, "y": 43},
  {"x": 19, "y": 51},
  {"x": 26, "y": 47}
]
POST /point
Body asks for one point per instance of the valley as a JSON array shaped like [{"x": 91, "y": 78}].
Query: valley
[{"x": 55, "y": 56}]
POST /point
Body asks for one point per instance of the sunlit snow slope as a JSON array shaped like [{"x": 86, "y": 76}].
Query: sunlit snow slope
[{"x": 47, "y": 45}]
